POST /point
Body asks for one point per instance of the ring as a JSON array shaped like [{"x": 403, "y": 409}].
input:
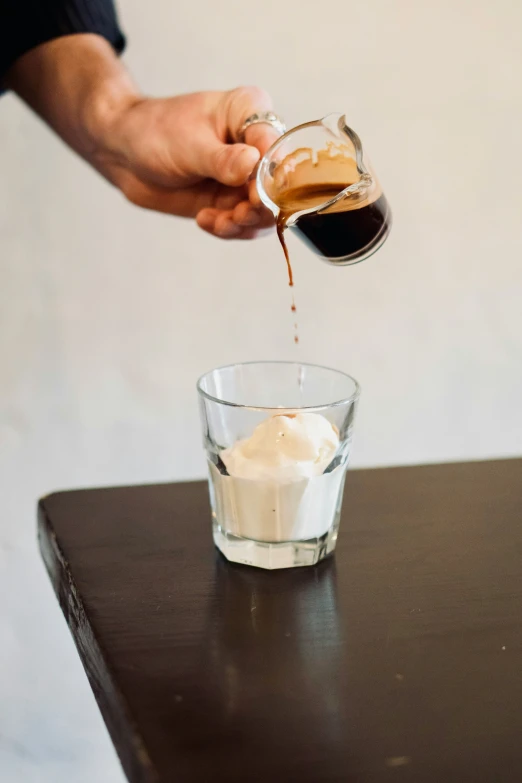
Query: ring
[{"x": 267, "y": 118}]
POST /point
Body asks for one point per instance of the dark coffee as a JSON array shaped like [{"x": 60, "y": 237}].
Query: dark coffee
[{"x": 347, "y": 232}]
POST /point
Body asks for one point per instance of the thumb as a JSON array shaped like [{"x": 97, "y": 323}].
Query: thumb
[
  {"x": 233, "y": 164},
  {"x": 230, "y": 164}
]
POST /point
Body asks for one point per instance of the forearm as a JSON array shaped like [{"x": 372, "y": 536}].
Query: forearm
[
  {"x": 179, "y": 155},
  {"x": 77, "y": 84}
]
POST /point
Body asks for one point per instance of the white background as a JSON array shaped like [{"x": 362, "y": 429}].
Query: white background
[{"x": 108, "y": 314}]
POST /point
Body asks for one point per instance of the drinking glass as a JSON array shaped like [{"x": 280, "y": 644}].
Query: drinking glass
[{"x": 275, "y": 521}]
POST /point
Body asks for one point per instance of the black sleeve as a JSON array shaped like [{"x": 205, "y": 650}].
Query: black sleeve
[{"x": 25, "y": 24}]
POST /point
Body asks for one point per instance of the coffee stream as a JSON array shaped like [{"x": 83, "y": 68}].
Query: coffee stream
[
  {"x": 293, "y": 308},
  {"x": 347, "y": 230}
]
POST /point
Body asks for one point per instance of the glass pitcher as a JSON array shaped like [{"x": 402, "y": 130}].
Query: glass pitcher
[{"x": 317, "y": 181}]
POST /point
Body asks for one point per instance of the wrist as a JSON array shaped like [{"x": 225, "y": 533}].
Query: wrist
[
  {"x": 91, "y": 81},
  {"x": 102, "y": 108}
]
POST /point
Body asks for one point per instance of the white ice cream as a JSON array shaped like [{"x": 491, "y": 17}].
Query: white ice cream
[
  {"x": 284, "y": 448},
  {"x": 276, "y": 489}
]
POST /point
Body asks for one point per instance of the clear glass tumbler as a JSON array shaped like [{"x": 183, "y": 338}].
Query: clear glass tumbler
[{"x": 277, "y": 437}]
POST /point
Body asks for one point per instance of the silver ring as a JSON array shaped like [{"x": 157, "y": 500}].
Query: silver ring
[{"x": 266, "y": 118}]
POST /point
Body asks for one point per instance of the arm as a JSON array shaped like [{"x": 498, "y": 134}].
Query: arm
[
  {"x": 26, "y": 24},
  {"x": 173, "y": 155},
  {"x": 75, "y": 83}
]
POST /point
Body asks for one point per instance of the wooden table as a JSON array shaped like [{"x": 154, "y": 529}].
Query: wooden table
[{"x": 399, "y": 660}]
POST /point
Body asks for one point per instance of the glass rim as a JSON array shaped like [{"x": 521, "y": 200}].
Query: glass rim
[{"x": 265, "y": 408}]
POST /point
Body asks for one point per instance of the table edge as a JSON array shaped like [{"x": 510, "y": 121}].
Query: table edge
[
  {"x": 125, "y": 738},
  {"x": 203, "y": 480}
]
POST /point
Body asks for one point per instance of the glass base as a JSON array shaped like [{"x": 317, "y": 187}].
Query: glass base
[{"x": 287, "y": 554}]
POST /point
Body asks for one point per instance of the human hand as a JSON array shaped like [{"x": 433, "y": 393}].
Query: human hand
[
  {"x": 177, "y": 155},
  {"x": 181, "y": 155}
]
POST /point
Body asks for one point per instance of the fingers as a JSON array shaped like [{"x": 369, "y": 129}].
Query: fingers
[
  {"x": 223, "y": 212},
  {"x": 261, "y": 136},
  {"x": 186, "y": 202},
  {"x": 229, "y": 164},
  {"x": 240, "y": 223},
  {"x": 219, "y": 223},
  {"x": 233, "y": 164},
  {"x": 245, "y": 215},
  {"x": 242, "y": 103}
]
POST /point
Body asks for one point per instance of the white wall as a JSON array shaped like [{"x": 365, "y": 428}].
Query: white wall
[{"x": 108, "y": 314}]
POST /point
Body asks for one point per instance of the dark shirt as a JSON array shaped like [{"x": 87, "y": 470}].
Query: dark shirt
[{"x": 25, "y": 24}]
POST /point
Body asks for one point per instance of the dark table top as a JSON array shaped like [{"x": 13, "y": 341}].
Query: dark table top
[{"x": 399, "y": 660}]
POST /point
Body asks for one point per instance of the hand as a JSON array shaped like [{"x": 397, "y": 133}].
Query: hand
[
  {"x": 178, "y": 155},
  {"x": 181, "y": 156}
]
